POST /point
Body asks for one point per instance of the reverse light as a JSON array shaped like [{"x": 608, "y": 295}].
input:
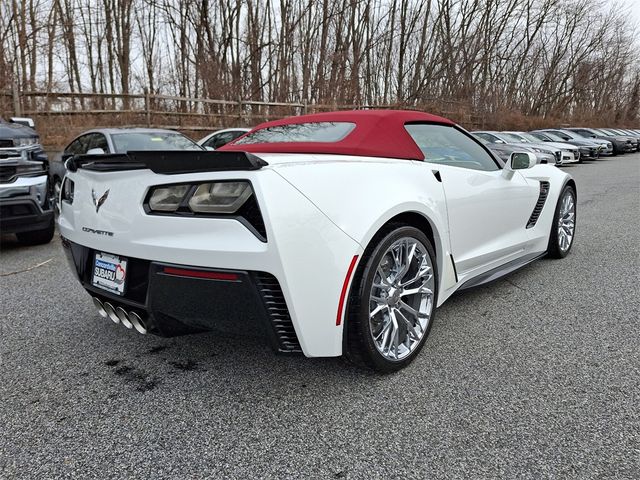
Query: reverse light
[
  {"x": 220, "y": 197},
  {"x": 168, "y": 199}
]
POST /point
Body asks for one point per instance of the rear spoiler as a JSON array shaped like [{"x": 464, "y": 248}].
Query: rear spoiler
[{"x": 170, "y": 162}]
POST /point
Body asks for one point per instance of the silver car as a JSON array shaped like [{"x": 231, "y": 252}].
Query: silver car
[
  {"x": 118, "y": 140},
  {"x": 570, "y": 153},
  {"x": 543, "y": 153}
]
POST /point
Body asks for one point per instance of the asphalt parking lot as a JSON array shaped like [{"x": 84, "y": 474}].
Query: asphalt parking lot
[{"x": 534, "y": 376}]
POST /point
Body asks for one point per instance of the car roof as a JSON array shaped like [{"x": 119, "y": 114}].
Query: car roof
[
  {"x": 111, "y": 131},
  {"x": 377, "y": 133}
]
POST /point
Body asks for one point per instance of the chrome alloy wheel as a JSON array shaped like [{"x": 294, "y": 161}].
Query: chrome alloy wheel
[
  {"x": 566, "y": 221},
  {"x": 401, "y": 299}
]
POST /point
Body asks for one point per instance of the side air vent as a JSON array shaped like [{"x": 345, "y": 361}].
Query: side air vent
[
  {"x": 544, "y": 192},
  {"x": 278, "y": 312}
]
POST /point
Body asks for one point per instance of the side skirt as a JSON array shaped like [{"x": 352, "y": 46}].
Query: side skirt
[{"x": 501, "y": 271}]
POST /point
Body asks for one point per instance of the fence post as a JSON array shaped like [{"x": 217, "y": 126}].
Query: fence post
[
  {"x": 16, "y": 99},
  {"x": 147, "y": 106},
  {"x": 240, "y": 112}
]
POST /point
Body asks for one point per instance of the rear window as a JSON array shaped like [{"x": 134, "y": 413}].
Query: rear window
[
  {"x": 125, "y": 142},
  {"x": 323, "y": 132}
]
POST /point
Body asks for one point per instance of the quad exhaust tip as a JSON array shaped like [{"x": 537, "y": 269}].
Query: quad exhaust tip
[
  {"x": 111, "y": 312},
  {"x": 120, "y": 315},
  {"x": 124, "y": 318},
  {"x": 98, "y": 304},
  {"x": 138, "y": 323}
]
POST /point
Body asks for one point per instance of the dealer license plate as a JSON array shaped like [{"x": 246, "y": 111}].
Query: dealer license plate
[{"x": 109, "y": 272}]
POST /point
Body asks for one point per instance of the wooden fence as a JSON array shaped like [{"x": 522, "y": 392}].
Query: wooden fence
[{"x": 61, "y": 115}]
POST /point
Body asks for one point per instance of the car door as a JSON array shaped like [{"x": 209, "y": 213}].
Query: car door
[{"x": 487, "y": 210}]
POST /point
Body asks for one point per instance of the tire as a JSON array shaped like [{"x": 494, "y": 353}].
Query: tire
[
  {"x": 395, "y": 303},
  {"x": 558, "y": 246},
  {"x": 37, "y": 237}
]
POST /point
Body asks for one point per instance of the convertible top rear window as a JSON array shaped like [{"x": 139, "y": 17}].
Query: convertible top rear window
[{"x": 325, "y": 132}]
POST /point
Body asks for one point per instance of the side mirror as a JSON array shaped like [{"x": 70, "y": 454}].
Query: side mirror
[
  {"x": 209, "y": 149},
  {"x": 519, "y": 161},
  {"x": 27, "y": 122},
  {"x": 522, "y": 160},
  {"x": 95, "y": 151},
  {"x": 500, "y": 142}
]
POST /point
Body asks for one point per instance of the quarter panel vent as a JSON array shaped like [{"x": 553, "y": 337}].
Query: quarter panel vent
[
  {"x": 542, "y": 198},
  {"x": 278, "y": 312}
]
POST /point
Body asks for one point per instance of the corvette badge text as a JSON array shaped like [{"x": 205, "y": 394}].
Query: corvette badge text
[{"x": 97, "y": 232}]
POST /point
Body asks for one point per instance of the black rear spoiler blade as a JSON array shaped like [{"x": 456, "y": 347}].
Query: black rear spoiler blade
[{"x": 171, "y": 162}]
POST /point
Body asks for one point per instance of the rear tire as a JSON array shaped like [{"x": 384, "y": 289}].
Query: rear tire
[
  {"x": 563, "y": 227},
  {"x": 391, "y": 304},
  {"x": 37, "y": 237}
]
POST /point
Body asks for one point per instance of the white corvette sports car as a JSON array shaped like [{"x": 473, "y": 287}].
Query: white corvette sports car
[{"x": 330, "y": 234}]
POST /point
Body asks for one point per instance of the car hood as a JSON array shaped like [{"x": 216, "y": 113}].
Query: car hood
[
  {"x": 583, "y": 143},
  {"x": 9, "y": 131}
]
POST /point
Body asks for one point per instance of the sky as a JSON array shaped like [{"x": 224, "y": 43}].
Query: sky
[{"x": 633, "y": 7}]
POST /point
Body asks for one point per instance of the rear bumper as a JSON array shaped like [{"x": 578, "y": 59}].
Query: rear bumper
[
  {"x": 178, "y": 300},
  {"x": 24, "y": 205}
]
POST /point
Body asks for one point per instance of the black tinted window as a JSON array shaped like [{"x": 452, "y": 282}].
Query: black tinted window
[
  {"x": 99, "y": 141},
  {"x": 79, "y": 146},
  {"x": 222, "y": 139},
  {"x": 326, "y": 132},
  {"x": 449, "y": 146}
]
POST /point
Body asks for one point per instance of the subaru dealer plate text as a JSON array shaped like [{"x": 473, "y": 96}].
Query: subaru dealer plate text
[{"x": 109, "y": 272}]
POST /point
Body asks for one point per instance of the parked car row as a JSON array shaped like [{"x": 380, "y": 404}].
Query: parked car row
[
  {"x": 561, "y": 146},
  {"x": 30, "y": 184}
]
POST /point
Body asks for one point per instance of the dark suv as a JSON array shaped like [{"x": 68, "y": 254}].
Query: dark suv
[{"x": 25, "y": 194}]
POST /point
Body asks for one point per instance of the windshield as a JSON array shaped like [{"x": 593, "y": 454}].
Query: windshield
[
  {"x": 584, "y": 133},
  {"x": 131, "y": 141},
  {"x": 324, "y": 132},
  {"x": 512, "y": 137},
  {"x": 529, "y": 137},
  {"x": 609, "y": 132},
  {"x": 554, "y": 137},
  {"x": 570, "y": 134}
]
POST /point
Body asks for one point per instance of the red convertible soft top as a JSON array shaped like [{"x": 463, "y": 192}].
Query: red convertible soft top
[{"x": 377, "y": 133}]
